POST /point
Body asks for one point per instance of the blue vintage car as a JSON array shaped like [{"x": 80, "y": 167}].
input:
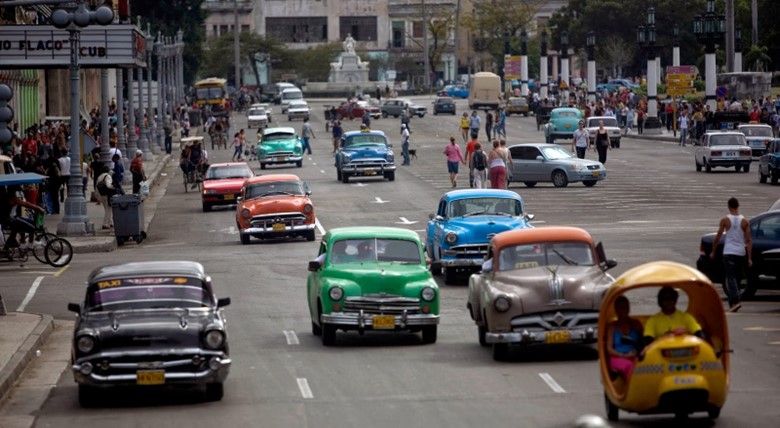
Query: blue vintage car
[
  {"x": 365, "y": 154},
  {"x": 459, "y": 232},
  {"x": 562, "y": 124},
  {"x": 455, "y": 91}
]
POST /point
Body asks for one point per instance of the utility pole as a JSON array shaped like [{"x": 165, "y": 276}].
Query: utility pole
[
  {"x": 457, "y": 40},
  {"x": 236, "y": 49},
  {"x": 427, "y": 78},
  {"x": 730, "y": 35}
]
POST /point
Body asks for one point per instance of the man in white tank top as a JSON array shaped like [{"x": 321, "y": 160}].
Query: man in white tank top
[{"x": 735, "y": 230}]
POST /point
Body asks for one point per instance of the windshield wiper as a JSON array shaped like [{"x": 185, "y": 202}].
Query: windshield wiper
[
  {"x": 474, "y": 213},
  {"x": 275, "y": 192},
  {"x": 565, "y": 258}
]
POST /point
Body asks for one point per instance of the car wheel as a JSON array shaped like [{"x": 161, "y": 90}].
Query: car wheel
[
  {"x": 120, "y": 240},
  {"x": 589, "y": 183},
  {"x": 315, "y": 329},
  {"x": 245, "y": 239},
  {"x": 206, "y": 207},
  {"x": 338, "y": 174},
  {"x": 775, "y": 176},
  {"x": 481, "y": 332},
  {"x": 707, "y": 166},
  {"x": 612, "y": 410},
  {"x": 310, "y": 235},
  {"x": 344, "y": 177},
  {"x": 384, "y": 114},
  {"x": 713, "y": 412},
  {"x": 390, "y": 176},
  {"x": 500, "y": 351},
  {"x": 698, "y": 166},
  {"x": 215, "y": 391},
  {"x": 450, "y": 275},
  {"x": 87, "y": 396},
  {"x": 435, "y": 113},
  {"x": 328, "y": 335},
  {"x": 525, "y": 114},
  {"x": 429, "y": 333},
  {"x": 737, "y": 167},
  {"x": 746, "y": 168},
  {"x": 559, "y": 179},
  {"x": 299, "y": 163},
  {"x": 529, "y": 183}
]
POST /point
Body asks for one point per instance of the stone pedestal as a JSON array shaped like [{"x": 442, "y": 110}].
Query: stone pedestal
[{"x": 349, "y": 69}]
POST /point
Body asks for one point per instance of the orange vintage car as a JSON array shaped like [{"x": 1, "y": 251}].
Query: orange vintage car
[{"x": 275, "y": 205}]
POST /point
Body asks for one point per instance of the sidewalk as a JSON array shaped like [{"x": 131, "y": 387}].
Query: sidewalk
[
  {"x": 21, "y": 335},
  {"x": 663, "y": 136}
]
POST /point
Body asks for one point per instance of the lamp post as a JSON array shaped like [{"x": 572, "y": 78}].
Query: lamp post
[
  {"x": 75, "y": 220},
  {"x": 151, "y": 126},
  {"x": 158, "y": 47},
  {"x": 523, "y": 63},
  {"x": 564, "y": 98},
  {"x": 738, "y": 50},
  {"x": 676, "y": 46},
  {"x": 543, "y": 67},
  {"x": 132, "y": 138},
  {"x": 590, "y": 42},
  {"x": 180, "y": 67},
  {"x": 646, "y": 38},
  {"x": 709, "y": 29},
  {"x": 143, "y": 133},
  {"x": 507, "y": 83}
]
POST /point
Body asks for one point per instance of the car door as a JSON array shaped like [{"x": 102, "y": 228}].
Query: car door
[
  {"x": 536, "y": 169},
  {"x": 314, "y": 286},
  {"x": 435, "y": 227},
  {"x": 519, "y": 170},
  {"x": 765, "y": 234}
]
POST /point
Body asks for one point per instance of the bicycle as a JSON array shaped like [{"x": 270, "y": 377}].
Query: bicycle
[
  {"x": 47, "y": 247},
  {"x": 192, "y": 177}
]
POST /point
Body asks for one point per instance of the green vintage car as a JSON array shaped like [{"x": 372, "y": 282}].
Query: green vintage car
[
  {"x": 277, "y": 146},
  {"x": 562, "y": 124},
  {"x": 372, "y": 278}
]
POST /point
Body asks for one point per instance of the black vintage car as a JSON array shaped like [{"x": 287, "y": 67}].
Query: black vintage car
[{"x": 150, "y": 323}]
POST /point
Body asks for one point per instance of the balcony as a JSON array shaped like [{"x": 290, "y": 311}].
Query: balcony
[{"x": 212, "y": 6}]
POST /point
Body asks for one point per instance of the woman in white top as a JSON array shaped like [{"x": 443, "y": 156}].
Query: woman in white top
[{"x": 497, "y": 165}]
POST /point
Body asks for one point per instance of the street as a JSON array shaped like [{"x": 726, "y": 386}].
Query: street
[{"x": 653, "y": 205}]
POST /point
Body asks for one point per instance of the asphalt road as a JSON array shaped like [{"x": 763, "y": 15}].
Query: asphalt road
[{"x": 652, "y": 206}]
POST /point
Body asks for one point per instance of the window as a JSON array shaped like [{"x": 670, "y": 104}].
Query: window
[
  {"x": 312, "y": 29},
  {"x": 223, "y": 29},
  {"x": 417, "y": 29},
  {"x": 399, "y": 34},
  {"x": 244, "y": 28},
  {"x": 529, "y": 256},
  {"x": 362, "y": 28},
  {"x": 215, "y": 30}
]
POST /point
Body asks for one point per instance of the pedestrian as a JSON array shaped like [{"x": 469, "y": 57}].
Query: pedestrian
[
  {"x": 405, "y": 145},
  {"x": 737, "y": 250},
  {"x": 474, "y": 124},
  {"x": 500, "y": 129},
  {"x": 168, "y": 130},
  {"x": 186, "y": 127},
  {"x": 106, "y": 189},
  {"x": 53, "y": 183},
  {"x": 237, "y": 144},
  {"x": 137, "y": 171},
  {"x": 464, "y": 126},
  {"x": 87, "y": 175},
  {"x": 581, "y": 140},
  {"x": 367, "y": 119},
  {"x": 507, "y": 161},
  {"x": 307, "y": 133},
  {"x": 629, "y": 125},
  {"x": 454, "y": 157},
  {"x": 682, "y": 121},
  {"x": 405, "y": 120},
  {"x": 602, "y": 142},
  {"x": 378, "y": 94},
  {"x": 64, "y": 162},
  {"x": 118, "y": 174},
  {"x": 640, "y": 121},
  {"x": 479, "y": 165},
  {"x": 470, "y": 147},
  {"x": 337, "y": 132},
  {"x": 497, "y": 171},
  {"x": 489, "y": 125}
]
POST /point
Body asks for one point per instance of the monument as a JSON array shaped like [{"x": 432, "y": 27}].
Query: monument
[{"x": 349, "y": 68}]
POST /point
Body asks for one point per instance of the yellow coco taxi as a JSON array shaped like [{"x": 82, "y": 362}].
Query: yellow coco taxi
[{"x": 676, "y": 373}]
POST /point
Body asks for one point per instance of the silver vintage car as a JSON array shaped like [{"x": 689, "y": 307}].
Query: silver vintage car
[{"x": 537, "y": 162}]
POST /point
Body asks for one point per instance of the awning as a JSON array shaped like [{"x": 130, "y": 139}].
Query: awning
[{"x": 20, "y": 179}]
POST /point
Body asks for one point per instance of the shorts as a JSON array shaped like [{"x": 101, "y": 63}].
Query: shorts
[{"x": 452, "y": 167}]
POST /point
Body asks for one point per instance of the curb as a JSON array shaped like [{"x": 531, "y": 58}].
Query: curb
[{"x": 22, "y": 357}]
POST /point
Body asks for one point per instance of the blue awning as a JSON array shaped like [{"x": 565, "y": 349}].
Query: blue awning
[{"x": 19, "y": 179}]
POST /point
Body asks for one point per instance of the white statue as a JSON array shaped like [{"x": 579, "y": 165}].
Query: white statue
[{"x": 349, "y": 44}]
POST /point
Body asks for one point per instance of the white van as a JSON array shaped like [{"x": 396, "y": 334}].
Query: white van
[
  {"x": 484, "y": 91},
  {"x": 281, "y": 86},
  {"x": 288, "y": 95}
]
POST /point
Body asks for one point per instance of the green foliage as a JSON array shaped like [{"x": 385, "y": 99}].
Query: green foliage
[
  {"x": 757, "y": 58},
  {"x": 491, "y": 21},
  {"x": 314, "y": 63},
  {"x": 218, "y": 56},
  {"x": 699, "y": 85}
]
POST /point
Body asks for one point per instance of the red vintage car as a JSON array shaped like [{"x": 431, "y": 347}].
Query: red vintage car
[
  {"x": 356, "y": 110},
  {"x": 275, "y": 205},
  {"x": 223, "y": 182}
]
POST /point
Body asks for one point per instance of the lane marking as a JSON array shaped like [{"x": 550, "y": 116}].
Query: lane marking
[
  {"x": 551, "y": 383},
  {"x": 63, "y": 269},
  {"x": 379, "y": 200},
  {"x": 319, "y": 226},
  {"x": 292, "y": 338},
  {"x": 30, "y": 294},
  {"x": 761, "y": 329},
  {"x": 404, "y": 220},
  {"x": 303, "y": 385},
  {"x": 773, "y": 343},
  {"x": 322, "y": 171}
]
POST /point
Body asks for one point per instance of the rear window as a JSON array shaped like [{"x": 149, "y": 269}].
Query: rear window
[
  {"x": 147, "y": 293},
  {"x": 727, "y": 140},
  {"x": 756, "y": 131},
  {"x": 566, "y": 114}
]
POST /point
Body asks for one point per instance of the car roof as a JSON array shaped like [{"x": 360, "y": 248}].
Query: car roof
[
  {"x": 279, "y": 130},
  {"x": 272, "y": 177},
  {"x": 478, "y": 193},
  {"x": 565, "y": 109},
  {"x": 728, "y": 132},
  {"x": 299, "y": 102},
  {"x": 372, "y": 132},
  {"x": 146, "y": 269},
  {"x": 746, "y": 125},
  {"x": 775, "y": 206},
  {"x": 363, "y": 232},
  {"x": 541, "y": 234},
  {"x": 291, "y": 89},
  {"x": 228, "y": 164},
  {"x": 538, "y": 145}
]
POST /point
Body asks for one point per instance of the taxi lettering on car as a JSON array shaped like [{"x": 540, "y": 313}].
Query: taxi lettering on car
[{"x": 274, "y": 206}]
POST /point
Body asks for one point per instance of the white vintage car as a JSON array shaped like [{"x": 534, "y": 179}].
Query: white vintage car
[
  {"x": 257, "y": 117},
  {"x": 723, "y": 148},
  {"x": 610, "y": 124},
  {"x": 297, "y": 109}
]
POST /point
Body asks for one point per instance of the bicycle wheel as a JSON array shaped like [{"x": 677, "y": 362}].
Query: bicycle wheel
[
  {"x": 58, "y": 252},
  {"x": 41, "y": 240}
]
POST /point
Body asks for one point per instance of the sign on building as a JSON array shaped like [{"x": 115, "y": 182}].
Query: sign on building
[{"x": 511, "y": 67}]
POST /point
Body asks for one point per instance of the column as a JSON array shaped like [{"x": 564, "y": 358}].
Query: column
[
  {"x": 105, "y": 155},
  {"x": 160, "y": 88},
  {"x": 120, "y": 120},
  {"x": 151, "y": 126},
  {"x": 132, "y": 138},
  {"x": 710, "y": 78},
  {"x": 523, "y": 63}
]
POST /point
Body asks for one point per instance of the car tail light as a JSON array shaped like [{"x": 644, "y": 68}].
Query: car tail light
[
  {"x": 745, "y": 152},
  {"x": 714, "y": 153},
  {"x": 688, "y": 352}
]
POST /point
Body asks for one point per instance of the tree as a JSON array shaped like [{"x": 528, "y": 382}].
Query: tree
[
  {"x": 757, "y": 58},
  {"x": 218, "y": 55},
  {"x": 491, "y": 21},
  {"x": 615, "y": 53}
]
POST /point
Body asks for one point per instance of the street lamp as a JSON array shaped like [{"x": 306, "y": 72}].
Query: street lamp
[
  {"x": 151, "y": 126},
  {"x": 590, "y": 42},
  {"x": 738, "y": 50},
  {"x": 75, "y": 220},
  {"x": 646, "y": 38},
  {"x": 676, "y": 45},
  {"x": 543, "y": 67},
  {"x": 709, "y": 29},
  {"x": 503, "y": 63},
  {"x": 523, "y": 63},
  {"x": 143, "y": 133},
  {"x": 564, "y": 85}
]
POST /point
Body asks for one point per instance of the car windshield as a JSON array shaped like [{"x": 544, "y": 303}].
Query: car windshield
[
  {"x": 485, "y": 206},
  {"x": 608, "y": 122},
  {"x": 209, "y": 93},
  {"x": 278, "y": 136},
  {"x": 257, "y": 112},
  {"x": 566, "y": 114},
  {"x": 274, "y": 188},
  {"x": 726, "y": 140},
  {"x": 528, "y": 256},
  {"x": 364, "y": 140},
  {"x": 298, "y": 104},
  {"x": 222, "y": 172},
  {"x": 375, "y": 250},
  {"x": 517, "y": 102},
  {"x": 556, "y": 153},
  {"x": 292, "y": 95},
  {"x": 756, "y": 131},
  {"x": 445, "y": 101},
  {"x": 147, "y": 293}
]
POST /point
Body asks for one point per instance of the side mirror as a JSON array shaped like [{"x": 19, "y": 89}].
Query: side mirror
[
  {"x": 221, "y": 303},
  {"x": 239, "y": 199},
  {"x": 609, "y": 264},
  {"x": 308, "y": 192},
  {"x": 74, "y": 307},
  {"x": 540, "y": 158},
  {"x": 314, "y": 266},
  {"x": 530, "y": 217},
  {"x": 431, "y": 216}
]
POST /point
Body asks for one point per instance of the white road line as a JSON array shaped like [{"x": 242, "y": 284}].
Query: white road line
[
  {"x": 551, "y": 383},
  {"x": 292, "y": 338},
  {"x": 322, "y": 171},
  {"x": 319, "y": 226},
  {"x": 303, "y": 385},
  {"x": 30, "y": 294}
]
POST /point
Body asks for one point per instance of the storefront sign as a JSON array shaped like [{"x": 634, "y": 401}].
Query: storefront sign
[{"x": 45, "y": 46}]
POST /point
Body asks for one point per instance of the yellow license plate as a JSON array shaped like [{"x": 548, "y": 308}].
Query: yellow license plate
[
  {"x": 369, "y": 172},
  {"x": 558, "y": 337},
  {"x": 383, "y": 322},
  {"x": 150, "y": 377},
  {"x": 230, "y": 197},
  {"x": 278, "y": 227},
  {"x": 280, "y": 159},
  {"x": 596, "y": 173}
]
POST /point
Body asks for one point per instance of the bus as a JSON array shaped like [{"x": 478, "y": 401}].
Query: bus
[
  {"x": 485, "y": 91},
  {"x": 212, "y": 93}
]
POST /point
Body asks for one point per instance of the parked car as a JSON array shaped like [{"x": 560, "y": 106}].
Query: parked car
[
  {"x": 371, "y": 278},
  {"x": 723, "y": 149},
  {"x": 765, "y": 272},
  {"x": 562, "y": 124},
  {"x": 457, "y": 235},
  {"x": 769, "y": 163},
  {"x": 273, "y": 206},
  {"x": 517, "y": 105},
  {"x": 454, "y": 91},
  {"x": 223, "y": 182},
  {"x": 365, "y": 154},
  {"x": 610, "y": 124},
  {"x": 758, "y": 137},
  {"x": 539, "y": 286},
  {"x": 279, "y": 146},
  {"x": 443, "y": 105},
  {"x": 297, "y": 109},
  {"x": 147, "y": 324},
  {"x": 396, "y": 107},
  {"x": 615, "y": 84},
  {"x": 257, "y": 117},
  {"x": 537, "y": 162}
]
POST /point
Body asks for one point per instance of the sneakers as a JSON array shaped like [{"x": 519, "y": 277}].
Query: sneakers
[{"x": 735, "y": 307}]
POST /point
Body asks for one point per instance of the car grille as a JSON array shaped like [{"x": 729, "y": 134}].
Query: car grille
[
  {"x": 268, "y": 220},
  {"x": 385, "y": 305},
  {"x": 469, "y": 251},
  {"x": 280, "y": 153},
  {"x": 171, "y": 362},
  {"x": 593, "y": 167},
  {"x": 368, "y": 163},
  {"x": 555, "y": 320}
]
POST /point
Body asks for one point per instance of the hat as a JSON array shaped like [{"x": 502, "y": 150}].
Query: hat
[{"x": 138, "y": 152}]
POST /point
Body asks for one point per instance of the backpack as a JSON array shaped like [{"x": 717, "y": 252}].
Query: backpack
[
  {"x": 102, "y": 187},
  {"x": 479, "y": 161}
]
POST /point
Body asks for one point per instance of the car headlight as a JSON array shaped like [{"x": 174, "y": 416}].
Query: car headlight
[
  {"x": 390, "y": 157},
  {"x": 579, "y": 166},
  {"x": 85, "y": 344},
  {"x": 336, "y": 293},
  {"x": 428, "y": 294},
  {"x": 245, "y": 213},
  {"x": 298, "y": 149},
  {"x": 214, "y": 339},
  {"x": 451, "y": 238},
  {"x": 210, "y": 192},
  {"x": 308, "y": 208},
  {"x": 502, "y": 304}
]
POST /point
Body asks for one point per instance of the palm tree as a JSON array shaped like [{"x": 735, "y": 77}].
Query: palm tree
[{"x": 757, "y": 58}]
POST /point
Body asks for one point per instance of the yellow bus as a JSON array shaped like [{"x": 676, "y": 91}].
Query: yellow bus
[{"x": 212, "y": 93}]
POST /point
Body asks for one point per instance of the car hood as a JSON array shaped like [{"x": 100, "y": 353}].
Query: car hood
[
  {"x": 376, "y": 277},
  {"x": 279, "y": 145},
  {"x": 274, "y": 204},
  {"x": 298, "y": 109},
  {"x": 224, "y": 185},
  {"x": 366, "y": 152},
  {"x": 481, "y": 228},
  {"x": 546, "y": 288}
]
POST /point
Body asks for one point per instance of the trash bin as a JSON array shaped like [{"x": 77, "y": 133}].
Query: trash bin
[{"x": 128, "y": 218}]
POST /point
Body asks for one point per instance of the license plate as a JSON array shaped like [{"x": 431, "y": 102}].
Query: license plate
[
  {"x": 369, "y": 172},
  {"x": 383, "y": 322},
  {"x": 596, "y": 173},
  {"x": 150, "y": 377},
  {"x": 278, "y": 227},
  {"x": 558, "y": 336},
  {"x": 230, "y": 197},
  {"x": 280, "y": 159},
  {"x": 730, "y": 154}
]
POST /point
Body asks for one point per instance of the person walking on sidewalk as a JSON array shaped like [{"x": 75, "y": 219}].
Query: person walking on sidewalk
[
  {"x": 454, "y": 158},
  {"x": 737, "y": 246},
  {"x": 405, "y": 145},
  {"x": 474, "y": 124},
  {"x": 119, "y": 174},
  {"x": 106, "y": 190},
  {"x": 640, "y": 120},
  {"x": 137, "y": 170},
  {"x": 307, "y": 133}
]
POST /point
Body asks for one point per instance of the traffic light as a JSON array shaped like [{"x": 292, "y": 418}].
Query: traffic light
[{"x": 6, "y": 113}]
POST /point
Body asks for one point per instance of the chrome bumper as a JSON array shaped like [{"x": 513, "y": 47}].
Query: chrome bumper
[
  {"x": 461, "y": 262},
  {"x": 216, "y": 369},
  {"x": 378, "y": 170},
  {"x": 586, "y": 335},
  {"x": 287, "y": 229},
  {"x": 274, "y": 160},
  {"x": 362, "y": 320}
]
